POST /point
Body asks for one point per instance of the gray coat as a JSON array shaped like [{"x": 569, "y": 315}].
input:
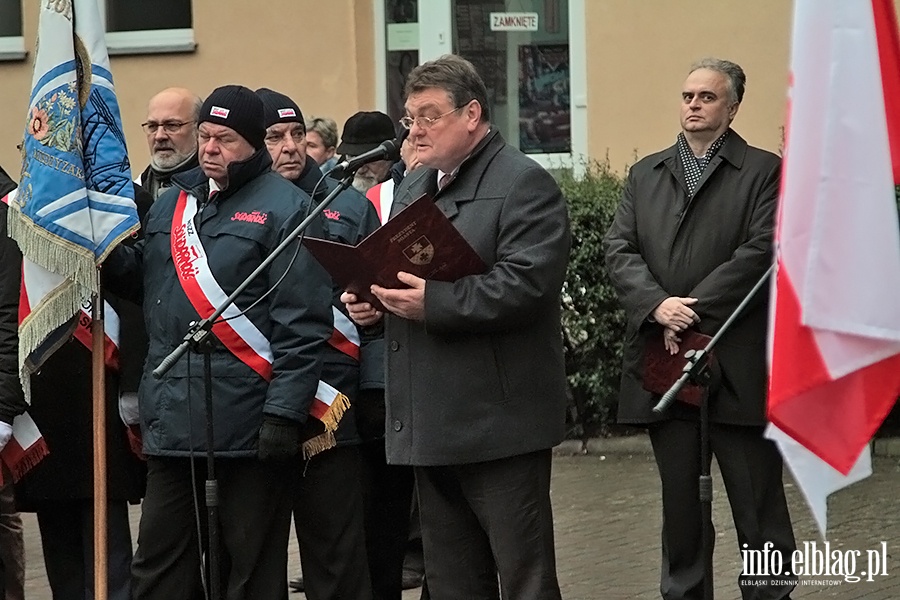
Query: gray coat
[
  {"x": 714, "y": 247},
  {"x": 483, "y": 378}
]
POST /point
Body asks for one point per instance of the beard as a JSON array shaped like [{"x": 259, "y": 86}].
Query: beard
[
  {"x": 167, "y": 162},
  {"x": 364, "y": 182}
]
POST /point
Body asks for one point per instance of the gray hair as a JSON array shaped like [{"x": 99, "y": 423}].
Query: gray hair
[
  {"x": 737, "y": 80},
  {"x": 326, "y": 128},
  {"x": 456, "y": 76},
  {"x": 195, "y": 109}
]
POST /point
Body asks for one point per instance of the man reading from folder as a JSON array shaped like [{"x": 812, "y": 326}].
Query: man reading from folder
[
  {"x": 475, "y": 380},
  {"x": 691, "y": 237}
]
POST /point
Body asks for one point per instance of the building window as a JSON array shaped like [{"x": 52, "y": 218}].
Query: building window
[
  {"x": 12, "y": 44},
  {"x": 140, "y": 27},
  {"x": 521, "y": 49},
  {"x": 402, "y": 51}
]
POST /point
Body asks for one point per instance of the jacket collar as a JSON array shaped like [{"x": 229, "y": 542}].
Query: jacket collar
[
  {"x": 6, "y": 183},
  {"x": 151, "y": 179},
  {"x": 424, "y": 179},
  {"x": 239, "y": 174},
  {"x": 308, "y": 180},
  {"x": 733, "y": 151}
]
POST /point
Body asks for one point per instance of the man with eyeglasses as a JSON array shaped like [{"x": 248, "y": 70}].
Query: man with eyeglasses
[
  {"x": 476, "y": 389},
  {"x": 171, "y": 129},
  {"x": 328, "y": 499}
]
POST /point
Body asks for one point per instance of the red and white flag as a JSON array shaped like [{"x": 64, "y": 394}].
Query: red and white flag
[{"x": 835, "y": 331}]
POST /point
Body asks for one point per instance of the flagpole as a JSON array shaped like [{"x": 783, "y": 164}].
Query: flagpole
[{"x": 98, "y": 369}]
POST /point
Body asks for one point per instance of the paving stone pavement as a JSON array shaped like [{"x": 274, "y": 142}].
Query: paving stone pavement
[{"x": 607, "y": 515}]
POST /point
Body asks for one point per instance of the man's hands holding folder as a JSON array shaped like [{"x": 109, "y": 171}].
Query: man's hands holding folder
[{"x": 408, "y": 303}]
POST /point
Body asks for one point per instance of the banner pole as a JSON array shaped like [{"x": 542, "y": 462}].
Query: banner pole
[{"x": 98, "y": 370}]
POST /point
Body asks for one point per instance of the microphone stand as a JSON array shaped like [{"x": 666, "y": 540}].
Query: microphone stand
[
  {"x": 697, "y": 371},
  {"x": 199, "y": 340}
]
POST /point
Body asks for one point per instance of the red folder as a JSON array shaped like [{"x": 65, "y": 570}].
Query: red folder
[
  {"x": 662, "y": 369},
  {"x": 419, "y": 240}
]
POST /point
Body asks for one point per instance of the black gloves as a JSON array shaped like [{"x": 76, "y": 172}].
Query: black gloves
[{"x": 279, "y": 438}]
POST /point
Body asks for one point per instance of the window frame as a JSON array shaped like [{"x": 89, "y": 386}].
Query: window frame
[
  {"x": 148, "y": 41},
  {"x": 12, "y": 47},
  {"x": 435, "y": 39}
]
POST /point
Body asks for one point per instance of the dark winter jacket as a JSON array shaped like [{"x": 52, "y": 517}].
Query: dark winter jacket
[
  {"x": 290, "y": 304},
  {"x": 349, "y": 218}
]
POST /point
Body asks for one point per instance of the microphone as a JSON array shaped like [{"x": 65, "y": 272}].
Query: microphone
[{"x": 387, "y": 150}]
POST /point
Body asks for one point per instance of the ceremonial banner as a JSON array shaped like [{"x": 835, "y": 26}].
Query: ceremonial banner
[{"x": 75, "y": 200}]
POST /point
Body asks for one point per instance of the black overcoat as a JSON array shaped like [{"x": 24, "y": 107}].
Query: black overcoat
[{"x": 713, "y": 246}]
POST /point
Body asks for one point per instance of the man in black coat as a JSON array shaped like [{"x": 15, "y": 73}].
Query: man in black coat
[
  {"x": 12, "y": 400},
  {"x": 171, "y": 130},
  {"x": 328, "y": 501},
  {"x": 476, "y": 389},
  {"x": 691, "y": 237},
  {"x": 59, "y": 489}
]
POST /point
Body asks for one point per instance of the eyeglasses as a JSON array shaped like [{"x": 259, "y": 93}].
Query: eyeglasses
[
  {"x": 428, "y": 122},
  {"x": 150, "y": 127}
]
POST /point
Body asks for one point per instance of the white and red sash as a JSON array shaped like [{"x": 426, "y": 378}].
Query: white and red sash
[
  {"x": 238, "y": 334},
  {"x": 345, "y": 336},
  {"x": 382, "y": 197}
]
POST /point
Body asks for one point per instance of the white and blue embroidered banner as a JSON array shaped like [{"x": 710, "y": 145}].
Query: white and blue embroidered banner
[{"x": 75, "y": 200}]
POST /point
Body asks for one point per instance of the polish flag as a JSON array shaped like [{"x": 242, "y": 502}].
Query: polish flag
[{"x": 835, "y": 341}]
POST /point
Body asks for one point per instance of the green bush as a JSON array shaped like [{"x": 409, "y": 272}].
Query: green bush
[{"x": 593, "y": 321}]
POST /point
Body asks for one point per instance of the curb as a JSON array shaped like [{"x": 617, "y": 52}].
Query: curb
[
  {"x": 631, "y": 444},
  {"x": 640, "y": 444},
  {"x": 889, "y": 447}
]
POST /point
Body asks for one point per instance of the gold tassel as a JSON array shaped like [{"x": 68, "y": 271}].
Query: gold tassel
[
  {"x": 320, "y": 443},
  {"x": 332, "y": 417}
]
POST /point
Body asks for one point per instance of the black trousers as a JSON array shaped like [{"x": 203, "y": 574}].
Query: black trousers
[
  {"x": 751, "y": 469},
  {"x": 388, "y": 491},
  {"x": 487, "y": 520},
  {"x": 328, "y": 519},
  {"x": 254, "y": 526},
  {"x": 67, "y": 541}
]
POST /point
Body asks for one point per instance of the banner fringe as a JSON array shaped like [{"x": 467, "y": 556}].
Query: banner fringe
[
  {"x": 58, "y": 308},
  {"x": 54, "y": 253}
]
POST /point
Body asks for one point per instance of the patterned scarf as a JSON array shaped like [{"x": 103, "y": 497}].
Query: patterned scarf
[{"x": 694, "y": 166}]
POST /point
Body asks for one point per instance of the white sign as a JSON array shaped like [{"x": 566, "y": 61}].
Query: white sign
[
  {"x": 402, "y": 36},
  {"x": 510, "y": 21}
]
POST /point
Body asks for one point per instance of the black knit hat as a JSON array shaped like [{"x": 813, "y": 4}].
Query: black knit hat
[
  {"x": 279, "y": 108},
  {"x": 236, "y": 107},
  {"x": 364, "y": 131}
]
